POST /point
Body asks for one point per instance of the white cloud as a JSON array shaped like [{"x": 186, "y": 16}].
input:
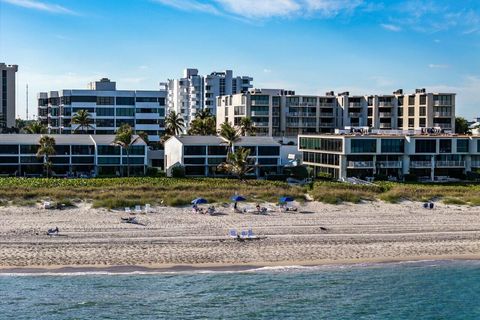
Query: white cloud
[
  {"x": 438, "y": 66},
  {"x": 264, "y": 9},
  {"x": 41, "y": 6},
  {"x": 267, "y": 70},
  {"x": 390, "y": 27}
]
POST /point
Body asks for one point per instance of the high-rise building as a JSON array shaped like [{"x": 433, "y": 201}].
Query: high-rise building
[
  {"x": 7, "y": 95},
  {"x": 276, "y": 112},
  {"x": 109, "y": 109},
  {"x": 195, "y": 92}
]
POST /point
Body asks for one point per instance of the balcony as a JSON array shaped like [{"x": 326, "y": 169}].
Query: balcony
[
  {"x": 443, "y": 125},
  {"x": 260, "y": 113},
  {"x": 450, "y": 164},
  {"x": 389, "y": 164},
  {"x": 385, "y": 114},
  {"x": 442, "y": 114},
  {"x": 260, "y": 103},
  {"x": 326, "y": 125},
  {"x": 441, "y": 103},
  {"x": 354, "y": 114},
  {"x": 326, "y": 105},
  {"x": 385, "y": 125},
  {"x": 385, "y": 104},
  {"x": 361, "y": 164},
  {"x": 326, "y": 115},
  {"x": 475, "y": 164},
  {"x": 420, "y": 164},
  {"x": 309, "y": 124},
  {"x": 354, "y": 104},
  {"x": 260, "y": 124}
]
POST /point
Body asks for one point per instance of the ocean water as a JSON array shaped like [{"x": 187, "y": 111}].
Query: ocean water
[{"x": 417, "y": 290}]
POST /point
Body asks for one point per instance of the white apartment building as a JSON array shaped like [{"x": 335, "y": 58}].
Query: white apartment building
[
  {"x": 109, "y": 108},
  {"x": 7, "y": 96},
  {"x": 277, "y": 112},
  {"x": 195, "y": 92}
]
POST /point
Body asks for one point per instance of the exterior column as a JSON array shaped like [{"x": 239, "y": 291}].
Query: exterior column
[
  {"x": 342, "y": 174},
  {"x": 432, "y": 169}
]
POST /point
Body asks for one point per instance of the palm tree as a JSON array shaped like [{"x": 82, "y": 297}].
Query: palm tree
[
  {"x": 36, "y": 127},
  {"x": 204, "y": 124},
  {"x": 174, "y": 123},
  {"x": 238, "y": 164},
  {"x": 46, "y": 149},
  {"x": 144, "y": 136},
  {"x": 124, "y": 139},
  {"x": 246, "y": 126},
  {"x": 229, "y": 134},
  {"x": 83, "y": 119},
  {"x": 203, "y": 114}
]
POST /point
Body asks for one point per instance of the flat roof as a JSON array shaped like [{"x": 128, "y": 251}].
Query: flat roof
[
  {"x": 215, "y": 140},
  {"x": 63, "y": 139},
  {"x": 351, "y": 135}
]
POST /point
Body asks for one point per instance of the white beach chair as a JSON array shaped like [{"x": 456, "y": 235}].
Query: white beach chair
[
  {"x": 127, "y": 210},
  {"x": 244, "y": 234},
  {"x": 147, "y": 208},
  {"x": 138, "y": 209},
  {"x": 250, "y": 234},
  {"x": 232, "y": 233},
  {"x": 47, "y": 205}
]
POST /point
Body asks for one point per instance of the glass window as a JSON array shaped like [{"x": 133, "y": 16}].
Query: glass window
[
  {"x": 31, "y": 160},
  {"x": 194, "y": 160},
  {"x": 28, "y": 149},
  {"x": 267, "y": 161},
  {"x": 108, "y": 150},
  {"x": 105, "y": 101},
  {"x": 125, "y": 101},
  {"x": 253, "y": 149},
  {"x": 137, "y": 150},
  {"x": 425, "y": 146},
  {"x": 4, "y": 160},
  {"x": 392, "y": 146},
  {"x": 216, "y": 161},
  {"x": 268, "y": 151},
  {"x": 422, "y": 122},
  {"x": 84, "y": 99},
  {"x": 423, "y": 99},
  {"x": 161, "y": 112},
  {"x": 195, "y": 170},
  {"x": 445, "y": 146},
  {"x": 105, "y": 112},
  {"x": 411, "y": 111},
  {"x": 134, "y": 160},
  {"x": 146, "y": 99},
  {"x": 321, "y": 144},
  {"x": 363, "y": 145},
  {"x": 8, "y": 149},
  {"x": 60, "y": 160},
  {"x": 82, "y": 150},
  {"x": 125, "y": 112},
  {"x": 130, "y": 122},
  {"x": 62, "y": 150},
  {"x": 89, "y": 160},
  {"x": 161, "y": 101},
  {"x": 462, "y": 145},
  {"x": 217, "y": 150},
  {"x": 194, "y": 150},
  {"x": 108, "y": 160},
  {"x": 105, "y": 123}
]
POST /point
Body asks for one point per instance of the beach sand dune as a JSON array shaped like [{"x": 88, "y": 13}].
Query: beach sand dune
[{"x": 318, "y": 233}]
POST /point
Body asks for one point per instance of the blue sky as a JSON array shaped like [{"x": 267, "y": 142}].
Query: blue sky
[{"x": 311, "y": 46}]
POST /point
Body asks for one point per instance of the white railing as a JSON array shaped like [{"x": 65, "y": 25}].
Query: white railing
[
  {"x": 442, "y": 114},
  {"x": 354, "y": 114},
  {"x": 389, "y": 164},
  {"x": 385, "y": 114},
  {"x": 354, "y": 104},
  {"x": 421, "y": 164},
  {"x": 475, "y": 164},
  {"x": 385, "y": 104},
  {"x": 261, "y": 124},
  {"x": 441, "y": 103},
  {"x": 326, "y": 125},
  {"x": 360, "y": 164},
  {"x": 259, "y": 103},
  {"x": 449, "y": 164},
  {"x": 385, "y": 125},
  {"x": 443, "y": 125},
  {"x": 326, "y": 114},
  {"x": 260, "y": 113}
]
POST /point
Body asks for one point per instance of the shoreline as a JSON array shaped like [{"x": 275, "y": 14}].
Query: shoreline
[{"x": 221, "y": 267}]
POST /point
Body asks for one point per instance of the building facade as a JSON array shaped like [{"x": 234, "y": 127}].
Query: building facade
[
  {"x": 109, "y": 109},
  {"x": 7, "y": 96},
  {"x": 75, "y": 155},
  {"x": 195, "y": 92},
  {"x": 201, "y": 155},
  {"x": 282, "y": 113},
  {"x": 424, "y": 156}
]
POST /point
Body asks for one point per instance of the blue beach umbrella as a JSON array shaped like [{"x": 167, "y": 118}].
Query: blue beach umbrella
[
  {"x": 286, "y": 199},
  {"x": 199, "y": 201},
  {"x": 237, "y": 198}
]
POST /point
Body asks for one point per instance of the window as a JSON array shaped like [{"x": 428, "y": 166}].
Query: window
[
  {"x": 425, "y": 146},
  {"x": 423, "y": 100},
  {"x": 108, "y": 160},
  {"x": 462, "y": 145},
  {"x": 261, "y": 100},
  {"x": 194, "y": 150},
  {"x": 108, "y": 150},
  {"x": 125, "y": 101},
  {"x": 147, "y": 110},
  {"x": 268, "y": 151},
  {"x": 267, "y": 161},
  {"x": 92, "y": 99},
  {"x": 89, "y": 160},
  {"x": 121, "y": 122},
  {"x": 161, "y": 112},
  {"x": 411, "y": 122},
  {"x": 105, "y": 123},
  {"x": 422, "y": 122},
  {"x": 146, "y": 99},
  {"x": 392, "y": 146},
  {"x": 137, "y": 150},
  {"x": 134, "y": 160},
  {"x": 161, "y": 101},
  {"x": 411, "y": 111},
  {"x": 194, "y": 161},
  {"x": 400, "y": 101},
  {"x": 400, "y": 123},
  {"x": 400, "y": 112},
  {"x": 60, "y": 160},
  {"x": 195, "y": 170},
  {"x": 411, "y": 100},
  {"x": 334, "y": 145},
  {"x": 445, "y": 146},
  {"x": 321, "y": 158},
  {"x": 105, "y": 101},
  {"x": 29, "y": 149},
  {"x": 363, "y": 145},
  {"x": 62, "y": 150},
  {"x": 105, "y": 112},
  {"x": 82, "y": 150},
  {"x": 8, "y": 149},
  {"x": 125, "y": 112},
  {"x": 217, "y": 150},
  {"x": 252, "y": 149},
  {"x": 423, "y": 111}
]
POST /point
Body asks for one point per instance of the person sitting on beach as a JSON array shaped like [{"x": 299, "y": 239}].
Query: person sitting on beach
[
  {"x": 259, "y": 209},
  {"x": 211, "y": 210},
  {"x": 195, "y": 208},
  {"x": 52, "y": 231}
]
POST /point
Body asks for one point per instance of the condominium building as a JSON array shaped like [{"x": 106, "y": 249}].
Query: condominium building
[
  {"x": 282, "y": 113},
  {"x": 75, "y": 155},
  {"x": 109, "y": 108},
  {"x": 7, "y": 95},
  {"x": 201, "y": 155},
  {"x": 423, "y": 155},
  {"x": 195, "y": 92}
]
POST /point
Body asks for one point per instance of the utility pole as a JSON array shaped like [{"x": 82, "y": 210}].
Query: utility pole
[{"x": 27, "y": 101}]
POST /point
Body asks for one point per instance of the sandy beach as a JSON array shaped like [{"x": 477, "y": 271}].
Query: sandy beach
[{"x": 316, "y": 234}]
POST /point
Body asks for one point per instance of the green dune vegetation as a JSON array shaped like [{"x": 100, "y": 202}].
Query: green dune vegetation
[{"x": 126, "y": 192}]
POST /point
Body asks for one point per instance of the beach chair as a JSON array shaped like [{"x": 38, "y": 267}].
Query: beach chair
[
  {"x": 211, "y": 210},
  {"x": 250, "y": 234},
  {"x": 147, "y": 208},
  {"x": 244, "y": 234},
  {"x": 53, "y": 232},
  {"x": 138, "y": 209},
  {"x": 47, "y": 205},
  {"x": 431, "y": 205},
  {"x": 127, "y": 210},
  {"x": 232, "y": 233}
]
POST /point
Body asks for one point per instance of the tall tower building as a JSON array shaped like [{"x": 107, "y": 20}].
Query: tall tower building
[{"x": 7, "y": 95}]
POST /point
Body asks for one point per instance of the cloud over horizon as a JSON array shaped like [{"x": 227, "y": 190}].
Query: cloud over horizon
[{"x": 40, "y": 6}]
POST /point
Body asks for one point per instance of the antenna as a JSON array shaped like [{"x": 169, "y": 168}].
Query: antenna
[{"x": 27, "y": 101}]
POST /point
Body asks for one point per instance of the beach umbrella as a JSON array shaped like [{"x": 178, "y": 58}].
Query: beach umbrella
[
  {"x": 238, "y": 198},
  {"x": 286, "y": 199},
  {"x": 199, "y": 201}
]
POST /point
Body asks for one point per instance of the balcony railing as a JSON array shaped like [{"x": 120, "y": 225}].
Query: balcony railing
[
  {"x": 326, "y": 125},
  {"x": 385, "y": 126},
  {"x": 385, "y": 114},
  {"x": 442, "y": 114},
  {"x": 260, "y": 124},
  {"x": 260, "y": 103},
  {"x": 443, "y": 125},
  {"x": 441, "y": 103},
  {"x": 360, "y": 164},
  {"x": 385, "y": 104},
  {"x": 354, "y": 114},
  {"x": 326, "y": 105},
  {"x": 354, "y": 104},
  {"x": 475, "y": 164},
  {"x": 421, "y": 164},
  {"x": 260, "y": 113},
  {"x": 389, "y": 164},
  {"x": 450, "y": 164},
  {"x": 326, "y": 114}
]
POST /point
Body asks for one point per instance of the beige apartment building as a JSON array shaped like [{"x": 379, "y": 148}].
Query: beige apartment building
[
  {"x": 7, "y": 96},
  {"x": 277, "y": 112}
]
